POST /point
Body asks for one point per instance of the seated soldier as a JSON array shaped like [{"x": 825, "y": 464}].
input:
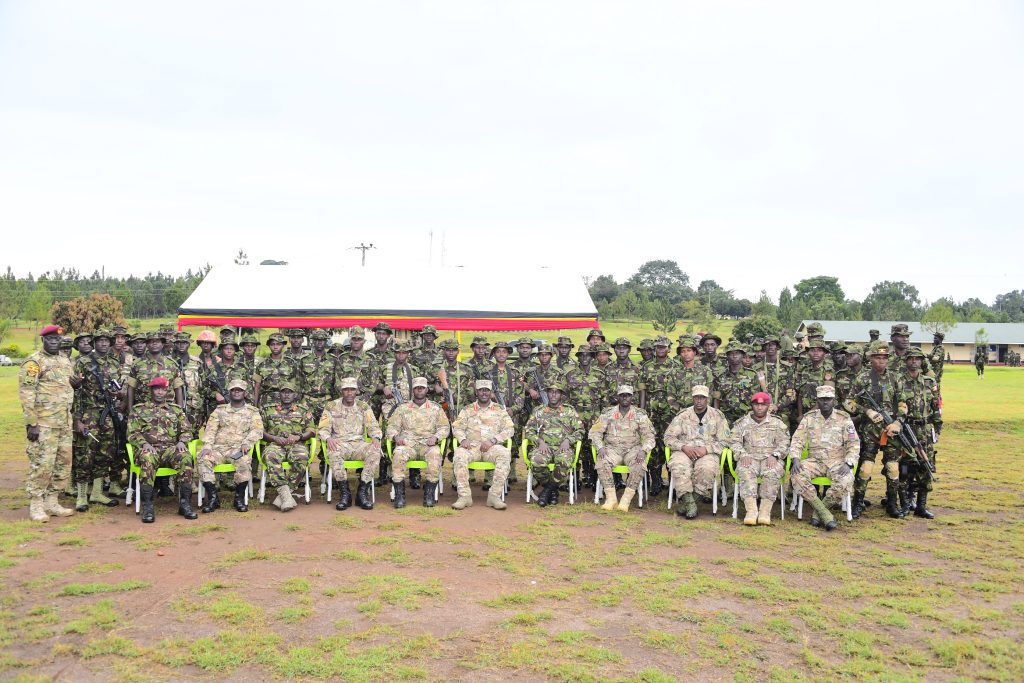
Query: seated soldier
[
  {"x": 552, "y": 432},
  {"x": 759, "y": 444},
  {"x": 344, "y": 426},
  {"x": 286, "y": 428},
  {"x": 622, "y": 435},
  {"x": 159, "y": 433},
  {"x": 416, "y": 428},
  {"x": 232, "y": 430},
  {"x": 832, "y": 449},
  {"x": 697, "y": 437},
  {"x": 481, "y": 429}
]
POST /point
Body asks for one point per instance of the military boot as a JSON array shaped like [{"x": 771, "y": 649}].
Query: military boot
[
  {"x": 212, "y": 501},
  {"x": 344, "y": 495},
  {"x": 35, "y": 510},
  {"x": 488, "y": 476},
  {"x": 53, "y": 508},
  {"x": 904, "y": 499},
  {"x": 114, "y": 488},
  {"x": 656, "y": 484},
  {"x": 750, "y": 505},
  {"x": 185, "y": 502},
  {"x": 858, "y": 505},
  {"x": 542, "y": 497},
  {"x": 619, "y": 484},
  {"x": 146, "y": 498},
  {"x": 414, "y": 479},
  {"x": 822, "y": 513},
  {"x": 764, "y": 512},
  {"x": 463, "y": 501},
  {"x": 610, "y": 501},
  {"x": 287, "y": 501},
  {"x": 240, "y": 490},
  {"x": 892, "y": 507},
  {"x": 82, "y": 502},
  {"x": 494, "y": 500},
  {"x": 921, "y": 509},
  {"x": 690, "y": 500},
  {"x": 428, "y": 494},
  {"x": 553, "y": 496},
  {"x": 363, "y": 495},
  {"x": 627, "y": 498},
  {"x": 400, "y": 494},
  {"x": 97, "y": 496},
  {"x": 163, "y": 488}
]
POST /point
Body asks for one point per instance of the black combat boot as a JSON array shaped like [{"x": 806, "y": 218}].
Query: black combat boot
[
  {"x": 185, "y": 502},
  {"x": 163, "y": 489},
  {"x": 892, "y": 507},
  {"x": 414, "y": 479},
  {"x": 542, "y": 497},
  {"x": 428, "y": 494},
  {"x": 619, "y": 484},
  {"x": 858, "y": 505},
  {"x": 399, "y": 494},
  {"x": 146, "y": 497},
  {"x": 212, "y": 502},
  {"x": 344, "y": 495},
  {"x": 240, "y": 497},
  {"x": 921, "y": 510},
  {"x": 553, "y": 496},
  {"x": 363, "y": 495},
  {"x": 656, "y": 485}
]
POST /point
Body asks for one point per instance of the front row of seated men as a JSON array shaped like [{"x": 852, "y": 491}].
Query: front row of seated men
[{"x": 824, "y": 444}]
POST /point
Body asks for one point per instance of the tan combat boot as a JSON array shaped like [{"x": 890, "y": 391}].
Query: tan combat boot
[
  {"x": 278, "y": 501},
  {"x": 54, "y": 509},
  {"x": 494, "y": 500},
  {"x": 97, "y": 496},
  {"x": 464, "y": 501},
  {"x": 287, "y": 502},
  {"x": 82, "y": 502},
  {"x": 115, "y": 488},
  {"x": 36, "y": 511},
  {"x": 610, "y": 500},
  {"x": 764, "y": 513},
  {"x": 750, "y": 504},
  {"x": 627, "y": 497}
]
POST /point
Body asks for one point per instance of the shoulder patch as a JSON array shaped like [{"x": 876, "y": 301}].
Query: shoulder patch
[{"x": 31, "y": 368}]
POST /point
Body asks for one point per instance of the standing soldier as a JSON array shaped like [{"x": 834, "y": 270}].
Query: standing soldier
[
  {"x": 120, "y": 351},
  {"x": 286, "y": 429},
  {"x": 295, "y": 338},
  {"x": 273, "y": 371},
  {"x": 563, "y": 359},
  {"x": 427, "y": 354},
  {"x": 391, "y": 379},
  {"x": 480, "y": 363},
  {"x": 353, "y": 362},
  {"x": 192, "y": 384},
  {"x": 876, "y": 386},
  {"x": 159, "y": 431},
  {"x": 622, "y": 435},
  {"x": 759, "y": 444},
  {"x": 900, "y": 336},
  {"x": 588, "y": 393},
  {"x": 232, "y": 430},
  {"x": 710, "y": 343},
  {"x": 872, "y": 338},
  {"x": 318, "y": 372},
  {"x": 226, "y": 367},
  {"x": 153, "y": 364},
  {"x": 44, "y": 386},
  {"x": 697, "y": 437},
  {"x": 770, "y": 370},
  {"x": 845, "y": 376},
  {"x": 920, "y": 394},
  {"x": 482, "y": 428},
  {"x": 508, "y": 391},
  {"x": 552, "y": 432},
  {"x": 98, "y": 419},
  {"x": 980, "y": 358},
  {"x": 832, "y": 446},
  {"x": 415, "y": 430},
  {"x": 382, "y": 334},
  {"x": 809, "y": 376},
  {"x": 344, "y": 427},
  {"x": 735, "y": 386},
  {"x": 137, "y": 342},
  {"x": 595, "y": 337},
  {"x": 524, "y": 360},
  {"x": 646, "y": 349},
  {"x": 250, "y": 342},
  {"x": 622, "y": 370},
  {"x": 839, "y": 353},
  {"x": 206, "y": 341},
  {"x": 457, "y": 375},
  {"x": 658, "y": 384}
]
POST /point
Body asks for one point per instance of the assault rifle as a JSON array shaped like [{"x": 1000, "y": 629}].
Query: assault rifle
[
  {"x": 396, "y": 393},
  {"x": 908, "y": 440},
  {"x": 540, "y": 386}
]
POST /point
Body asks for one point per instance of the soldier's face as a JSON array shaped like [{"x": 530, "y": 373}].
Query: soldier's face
[
  {"x": 661, "y": 351},
  {"x": 296, "y": 342},
  {"x": 759, "y": 409},
  {"x": 349, "y": 394},
  {"x": 771, "y": 348},
  {"x": 710, "y": 346},
  {"x": 585, "y": 359},
  {"x": 621, "y": 351},
  {"x": 501, "y": 355},
  {"x": 647, "y": 354},
  {"x": 428, "y": 338},
  {"x": 878, "y": 363},
  {"x": 735, "y": 357},
  {"x": 748, "y": 361},
  {"x": 603, "y": 357},
  {"x": 524, "y": 350},
  {"x": 206, "y": 346},
  {"x": 139, "y": 347},
  {"x": 227, "y": 352},
  {"x": 900, "y": 341},
  {"x": 249, "y": 349},
  {"x": 382, "y": 337},
  {"x": 287, "y": 396},
  {"x": 853, "y": 360},
  {"x": 319, "y": 345},
  {"x": 816, "y": 354},
  {"x": 357, "y": 343},
  {"x": 563, "y": 350},
  {"x": 155, "y": 345},
  {"x": 759, "y": 355},
  {"x": 825, "y": 405},
  {"x": 51, "y": 343},
  {"x": 914, "y": 363},
  {"x": 839, "y": 359},
  {"x": 594, "y": 340},
  {"x": 478, "y": 351},
  {"x": 237, "y": 395},
  {"x": 700, "y": 403},
  {"x": 625, "y": 400},
  {"x": 450, "y": 354},
  {"x": 182, "y": 346},
  {"x": 275, "y": 347},
  {"x": 419, "y": 393},
  {"x": 84, "y": 345},
  {"x": 688, "y": 353},
  {"x": 102, "y": 345},
  {"x": 401, "y": 356},
  {"x": 544, "y": 357},
  {"x": 119, "y": 341},
  {"x": 554, "y": 397},
  {"x": 159, "y": 394},
  {"x": 483, "y": 396}
]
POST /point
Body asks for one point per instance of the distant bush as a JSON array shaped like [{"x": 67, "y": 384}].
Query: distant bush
[{"x": 12, "y": 350}]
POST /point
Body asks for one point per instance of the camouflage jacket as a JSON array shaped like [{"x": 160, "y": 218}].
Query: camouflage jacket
[
  {"x": 552, "y": 425},
  {"x": 623, "y": 374},
  {"x": 161, "y": 426},
  {"x": 460, "y": 381},
  {"x": 352, "y": 364},
  {"x": 918, "y": 397},
  {"x": 145, "y": 369},
  {"x": 546, "y": 375},
  {"x": 476, "y": 424},
  {"x": 95, "y": 372},
  {"x": 272, "y": 373},
  {"x": 937, "y": 359},
  {"x": 390, "y": 374},
  {"x": 426, "y": 358},
  {"x": 44, "y": 386},
  {"x": 565, "y": 365},
  {"x": 348, "y": 423},
  {"x": 318, "y": 373},
  {"x": 882, "y": 388},
  {"x": 658, "y": 384},
  {"x": 806, "y": 382},
  {"x": 588, "y": 392},
  {"x": 710, "y": 430},
  {"x": 685, "y": 379},
  {"x": 416, "y": 424},
  {"x": 829, "y": 441},
  {"x": 761, "y": 439},
  {"x": 630, "y": 430},
  {"x": 233, "y": 428},
  {"x": 192, "y": 382},
  {"x": 508, "y": 387},
  {"x": 771, "y": 378},
  {"x": 844, "y": 383},
  {"x": 898, "y": 363},
  {"x": 733, "y": 391},
  {"x": 277, "y": 421},
  {"x": 219, "y": 375},
  {"x": 480, "y": 369},
  {"x": 717, "y": 365}
]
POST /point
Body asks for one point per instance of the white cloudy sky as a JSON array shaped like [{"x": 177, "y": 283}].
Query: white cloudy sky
[{"x": 867, "y": 140}]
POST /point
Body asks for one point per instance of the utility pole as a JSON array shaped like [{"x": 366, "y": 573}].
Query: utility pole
[{"x": 364, "y": 248}]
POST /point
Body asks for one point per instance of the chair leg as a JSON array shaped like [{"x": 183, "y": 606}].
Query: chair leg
[
  {"x": 598, "y": 490},
  {"x": 128, "y": 492},
  {"x": 735, "y": 501},
  {"x": 138, "y": 494},
  {"x": 800, "y": 507},
  {"x": 199, "y": 494},
  {"x": 572, "y": 487},
  {"x": 330, "y": 483},
  {"x": 529, "y": 483},
  {"x": 849, "y": 507},
  {"x": 782, "y": 504},
  {"x": 263, "y": 485},
  {"x": 714, "y": 497},
  {"x": 308, "y": 492}
]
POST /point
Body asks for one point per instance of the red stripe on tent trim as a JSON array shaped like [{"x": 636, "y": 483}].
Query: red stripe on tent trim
[{"x": 481, "y": 324}]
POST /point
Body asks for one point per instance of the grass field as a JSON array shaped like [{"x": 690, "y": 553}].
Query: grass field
[{"x": 571, "y": 593}]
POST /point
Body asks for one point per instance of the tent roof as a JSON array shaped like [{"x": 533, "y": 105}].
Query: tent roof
[{"x": 448, "y": 298}]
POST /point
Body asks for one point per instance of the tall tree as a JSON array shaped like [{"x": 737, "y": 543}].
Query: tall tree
[
  {"x": 938, "y": 318},
  {"x": 891, "y": 301},
  {"x": 814, "y": 288},
  {"x": 662, "y": 280},
  {"x": 604, "y": 288}
]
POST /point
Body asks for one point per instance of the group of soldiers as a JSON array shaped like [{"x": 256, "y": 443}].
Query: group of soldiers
[{"x": 393, "y": 412}]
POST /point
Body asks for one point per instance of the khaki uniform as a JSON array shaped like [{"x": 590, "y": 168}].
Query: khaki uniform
[
  {"x": 832, "y": 446},
  {"x": 44, "y": 386},
  {"x": 349, "y": 426},
  {"x": 415, "y": 425},
  {"x": 228, "y": 431},
  {"x": 760, "y": 449},
  {"x": 626, "y": 440},
  {"x": 474, "y": 425},
  {"x": 710, "y": 431}
]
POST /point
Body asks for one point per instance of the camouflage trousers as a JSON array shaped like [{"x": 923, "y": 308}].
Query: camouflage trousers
[
  {"x": 220, "y": 455},
  {"x": 94, "y": 459},
  {"x": 401, "y": 455},
  {"x": 694, "y": 476},
  {"x": 661, "y": 418},
  {"x": 49, "y": 460},
  {"x": 870, "y": 444},
  {"x": 630, "y": 455},
  {"x": 911, "y": 471},
  {"x": 354, "y": 450},
  {"x": 498, "y": 454},
  {"x": 769, "y": 468},
  {"x": 562, "y": 460},
  {"x": 166, "y": 457},
  {"x": 274, "y": 457},
  {"x": 811, "y": 469}
]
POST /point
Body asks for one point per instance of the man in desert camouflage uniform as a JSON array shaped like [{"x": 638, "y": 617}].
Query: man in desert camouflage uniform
[
  {"x": 622, "y": 435},
  {"x": 344, "y": 426},
  {"x": 159, "y": 432},
  {"x": 232, "y": 430},
  {"x": 696, "y": 436},
  {"x": 759, "y": 444},
  {"x": 416, "y": 429},
  {"x": 482, "y": 428},
  {"x": 832, "y": 450},
  {"x": 287, "y": 426},
  {"x": 552, "y": 432}
]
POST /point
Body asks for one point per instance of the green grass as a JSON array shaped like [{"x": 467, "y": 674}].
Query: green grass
[{"x": 79, "y": 589}]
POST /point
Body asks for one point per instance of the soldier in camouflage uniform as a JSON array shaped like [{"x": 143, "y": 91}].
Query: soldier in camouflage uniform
[
  {"x": 595, "y": 337},
  {"x": 232, "y": 430},
  {"x": 622, "y": 435},
  {"x": 809, "y": 376},
  {"x": 920, "y": 394},
  {"x": 344, "y": 427},
  {"x": 879, "y": 383},
  {"x": 44, "y": 387},
  {"x": 120, "y": 350},
  {"x": 381, "y": 352},
  {"x": 273, "y": 371},
  {"x": 318, "y": 373},
  {"x": 524, "y": 360},
  {"x": 97, "y": 418},
  {"x": 937, "y": 358},
  {"x": 508, "y": 390},
  {"x": 416, "y": 430},
  {"x": 735, "y": 386},
  {"x": 622, "y": 370},
  {"x": 159, "y": 432},
  {"x": 710, "y": 343},
  {"x": 249, "y": 344},
  {"x": 391, "y": 379},
  {"x": 689, "y": 373},
  {"x": 552, "y": 432},
  {"x": 697, "y": 436},
  {"x": 287, "y": 427},
  {"x": 295, "y": 338},
  {"x": 353, "y": 362},
  {"x": 770, "y": 371},
  {"x": 658, "y": 383},
  {"x": 226, "y": 367},
  {"x": 480, "y": 362},
  {"x": 646, "y": 349},
  {"x": 980, "y": 359},
  {"x": 759, "y": 444},
  {"x": 482, "y": 428},
  {"x": 588, "y": 392},
  {"x": 839, "y": 354},
  {"x": 563, "y": 357},
  {"x": 458, "y": 376},
  {"x": 137, "y": 342},
  {"x": 900, "y": 337},
  {"x": 426, "y": 355},
  {"x": 192, "y": 379},
  {"x": 153, "y": 364},
  {"x": 832, "y": 450},
  {"x": 872, "y": 338}
]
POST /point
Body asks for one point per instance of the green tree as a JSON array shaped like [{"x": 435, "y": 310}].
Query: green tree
[
  {"x": 37, "y": 308},
  {"x": 662, "y": 280},
  {"x": 760, "y": 326},
  {"x": 764, "y": 307},
  {"x": 815, "y": 288},
  {"x": 785, "y": 312},
  {"x": 891, "y": 301},
  {"x": 664, "y": 317},
  {"x": 604, "y": 288},
  {"x": 938, "y": 318},
  {"x": 700, "y": 317}
]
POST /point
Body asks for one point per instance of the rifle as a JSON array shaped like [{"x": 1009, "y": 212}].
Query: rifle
[
  {"x": 396, "y": 393},
  {"x": 906, "y": 436},
  {"x": 184, "y": 382},
  {"x": 449, "y": 397},
  {"x": 540, "y": 386},
  {"x": 109, "y": 408},
  {"x": 218, "y": 379}
]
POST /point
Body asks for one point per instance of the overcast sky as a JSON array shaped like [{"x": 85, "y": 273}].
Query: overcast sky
[{"x": 754, "y": 143}]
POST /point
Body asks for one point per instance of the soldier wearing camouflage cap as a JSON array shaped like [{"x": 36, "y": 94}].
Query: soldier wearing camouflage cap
[
  {"x": 427, "y": 354},
  {"x": 622, "y": 370},
  {"x": 273, "y": 370},
  {"x": 937, "y": 357},
  {"x": 588, "y": 395},
  {"x": 481, "y": 429},
  {"x": 809, "y": 376},
  {"x": 563, "y": 354},
  {"x": 735, "y": 386},
  {"x": 658, "y": 388},
  {"x": 551, "y": 435},
  {"x": 296, "y": 337},
  {"x": 697, "y": 436},
  {"x": 920, "y": 394},
  {"x": 381, "y": 351},
  {"x": 416, "y": 430},
  {"x": 345, "y": 425},
  {"x": 154, "y": 363},
  {"x": 480, "y": 362},
  {"x": 899, "y": 335},
  {"x": 621, "y": 435},
  {"x": 595, "y": 336},
  {"x": 318, "y": 372},
  {"x": 191, "y": 370},
  {"x": 232, "y": 430},
  {"x": 287, "y": 426},
  {"x": 646, "y": 349},
  {"x": 393, "y": 381}
]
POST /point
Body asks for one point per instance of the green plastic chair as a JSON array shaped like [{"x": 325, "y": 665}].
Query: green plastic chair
[
  {"x": 846, "y": 504},
  {"x": 349, "y": 465},
  {"x": 620, "y": 469},
  {"x": 224, "y": 468},
  {"x": 136, "y": 471},
  {"x": 422, "y": 465},
  {"x": 726, "y": 453},
  {"x": 314, "y": 448},
  {"x": 523, "y": 450},
  {"x": 736, "y": 488},
  {"x": 483, "y": 465}
]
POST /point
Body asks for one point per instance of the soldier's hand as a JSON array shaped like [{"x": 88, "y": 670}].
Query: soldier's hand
[
  {"x": 602, "y": 452},
  {"x": 79, "y": 426},
  {"x": 844, "y": 470},
  {"x": 32, "y": 433},
  {"x": 148, "y": 448},
  {"x": 332, "y": 444},
  {"x": 486, "y": 445},
  {"x": 220, "y": 398},
  {"x": 432, "y": 441},
  {"x": 894, "y": 428},
  {"x": 874, "y": 416},
  {"x": 534, "y": 394},
  {"x": 565, "y": 445},
  {"x": 376, "y": 442},
  {"x": 794, "y": 465},
  {"x": 401, "y": 442},
  {"x": 543, "y": 447},
  {"x": 181, "y": 447},
  {"x": 387, "y": 391}
]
